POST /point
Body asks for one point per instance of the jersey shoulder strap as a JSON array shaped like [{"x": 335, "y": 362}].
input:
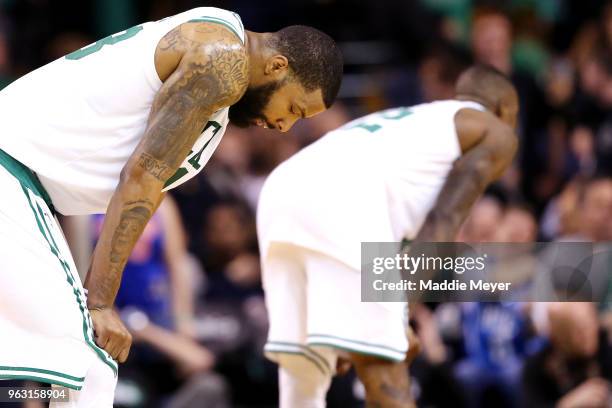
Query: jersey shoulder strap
[{"x": 228, "y": 19}]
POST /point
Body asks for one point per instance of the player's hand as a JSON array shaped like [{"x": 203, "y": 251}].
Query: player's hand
[
  {"x": 593, "y": 393},
  {"x": 111, "y": 334},
  {"x": 414, "y": 345}
]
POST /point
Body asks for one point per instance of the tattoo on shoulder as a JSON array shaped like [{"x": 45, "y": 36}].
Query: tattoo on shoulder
[{"x": 214, "y": 77}]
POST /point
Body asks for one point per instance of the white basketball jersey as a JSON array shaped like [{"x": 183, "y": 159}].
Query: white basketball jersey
[
  {"x": 76, "y": 121},
  {"x": 372, "y": 180}
]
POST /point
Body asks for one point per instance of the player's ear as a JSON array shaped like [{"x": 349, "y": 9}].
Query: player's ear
[
  {"x": 277, "y": 65},
  {"x": 505, "y": 114}
]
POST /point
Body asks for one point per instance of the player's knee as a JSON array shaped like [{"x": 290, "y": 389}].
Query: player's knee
[{"x": 303, "y": 382}]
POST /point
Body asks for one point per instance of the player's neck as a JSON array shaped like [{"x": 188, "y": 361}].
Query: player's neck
[
  {"x": 474, "y": 98},
  {"x": 258, "y": 51}
]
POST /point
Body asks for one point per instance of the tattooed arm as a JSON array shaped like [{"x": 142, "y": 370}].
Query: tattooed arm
[
  {"x": 489, "y": 146},
  {"x": 211, "y": 72}
]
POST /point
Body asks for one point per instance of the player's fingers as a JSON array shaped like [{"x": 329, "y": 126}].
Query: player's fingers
[
  {"x": 414, "y": 345},
  {"x": 126, "y": 343},
  {"x": 125, "y": 352},
  {"x": 122, "y": 341},
  {"x": 102, "y": 338},
  {"x": 113, "y": 347}
]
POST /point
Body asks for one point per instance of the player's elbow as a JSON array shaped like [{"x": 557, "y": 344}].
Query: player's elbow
[
  {"x": 503, "y": 153},
  {"x": 440, "y": 217},
  {"x": 479, "y": 167}
]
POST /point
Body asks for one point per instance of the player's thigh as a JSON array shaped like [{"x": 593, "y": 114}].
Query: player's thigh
[
  {"x": 39, "y": 288},
  {"x": 98, "y": 391},
  {"x": 284, "y": 285},
  {"x": 338, "y": 318}
]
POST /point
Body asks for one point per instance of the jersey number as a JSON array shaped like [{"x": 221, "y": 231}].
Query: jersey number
[
  {"x": 194, "y": 160},
  {"x": 396, "y": 114},
  {"x": 110, "y": 40}
]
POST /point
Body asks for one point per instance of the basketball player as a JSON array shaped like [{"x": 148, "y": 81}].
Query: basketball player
[
  {"x": 109, "y": 129},
  {"x": 406, "y": 173}
]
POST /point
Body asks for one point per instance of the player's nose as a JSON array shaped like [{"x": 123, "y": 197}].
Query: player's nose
[{"x": 284, "y": 125}]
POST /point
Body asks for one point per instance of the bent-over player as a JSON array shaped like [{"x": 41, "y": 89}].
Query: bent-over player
[
  {"x": 109, "y": 129},
  {"x": 405, "y": 173}
]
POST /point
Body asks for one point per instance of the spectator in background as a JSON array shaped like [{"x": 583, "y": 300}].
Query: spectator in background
[
  {"x": 582, "y": 211},
  {"x": 491, "y": 43},
  {"x": 229, "y": 230},
  {"x": 496, "y": 335},
  {"x": 587, "y": 207},
  {"x": 575, "y": 369},
  {"x": 491, "y": 39},
  {"x": 518, "y": 225},
  {"x": 596, "y": 207},
  {"x": 483, "y": 221},
  {"x": 233, "y": 318},
  {"x": 432, "y": 370},
  {"x": 438, "y": 72}
]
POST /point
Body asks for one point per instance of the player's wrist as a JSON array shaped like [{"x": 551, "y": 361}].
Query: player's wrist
[{"x": 99, "y": 306}]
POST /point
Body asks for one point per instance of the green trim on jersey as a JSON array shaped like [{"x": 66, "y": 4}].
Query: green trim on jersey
[
  {"x": 216, "y": 20},
  {"x": 25, "y": 176}
]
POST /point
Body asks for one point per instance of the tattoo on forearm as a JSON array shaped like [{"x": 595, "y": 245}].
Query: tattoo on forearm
[
  {"x": 157, "y": 168},
  {"x": 465, "y": 183},
  {"x": 134, "y": 216},
  {"x": 132, "y": 221}
]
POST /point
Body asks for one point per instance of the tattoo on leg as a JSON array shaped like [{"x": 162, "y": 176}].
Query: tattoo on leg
[
  {"x": 390, "y": 392},
  {"x": 401, "y": 395}
]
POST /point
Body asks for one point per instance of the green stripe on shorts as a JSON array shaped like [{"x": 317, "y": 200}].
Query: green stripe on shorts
[
  {"x": 41, "y": 375},
  {"x": 70, "y": 278},
  {"x": 25, "y": 176},
  {"x": 30, "y": 183}
]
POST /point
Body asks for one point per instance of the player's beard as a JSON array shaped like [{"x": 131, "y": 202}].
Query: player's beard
[{"x": 250, "y": 107}]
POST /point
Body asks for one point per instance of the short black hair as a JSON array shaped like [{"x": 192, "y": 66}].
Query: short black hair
[
  {"x": 486, "y": 83},
  {"x": 314, "y": 58}
]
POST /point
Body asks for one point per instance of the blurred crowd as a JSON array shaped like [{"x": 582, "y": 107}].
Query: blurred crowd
[{"x": 191, "y": 294}]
